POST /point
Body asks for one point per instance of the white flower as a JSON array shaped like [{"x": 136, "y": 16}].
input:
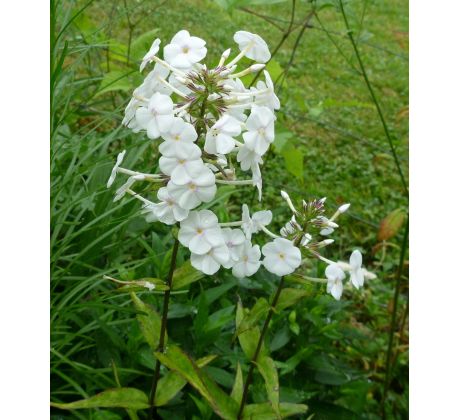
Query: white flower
[
  {"x": 327, "y": 226},
  {"x": 219, "y": 138},
  {"x": 148, "y": 58},
  {"x": 261, "y": 128},
  {"x": 254, "y": 46},
  {"x": 253, "y": 224},
  {"x": 115, "y": 168},
  {"x": 268, "y": 98},
  {"x": 257, "y": 179},
  {"x": 152, "y": 82},
  {"x": 201, "y": 189},
  {"x": 184, "y": 166},
  {"x": 184, "y": 50},
  {"x": 210, "y": 262},
  {"x": 200, "y": 232},
  {"x": 129, "y": 119},
  {"x": 180, "y": 134},
  {"x": 166, "y": 211},
  {"x": 356, "y": 272},
  {"x": 247, "y": 156},
  {"x": 249, "y": 261},
  {"x": 281, "y": 257},
  {"x": 119, "y": 194},
  {"x": 158, "y": 117},
  {"x": 234, "y": 239},
  {"x": 335, "y": 276}
]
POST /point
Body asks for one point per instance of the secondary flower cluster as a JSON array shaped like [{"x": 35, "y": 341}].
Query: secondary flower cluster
[
  {"x": 203, "y": 117},
  {"x": 300, "y": 232}
]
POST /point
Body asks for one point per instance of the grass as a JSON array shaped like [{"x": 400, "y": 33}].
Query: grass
[{"x": 331, "y": 120}]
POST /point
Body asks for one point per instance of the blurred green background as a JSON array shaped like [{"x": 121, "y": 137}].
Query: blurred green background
[{"x": 330, "y": 142}]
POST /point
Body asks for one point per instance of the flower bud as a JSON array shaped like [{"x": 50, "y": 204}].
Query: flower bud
[{"x": 343, "y": 208}]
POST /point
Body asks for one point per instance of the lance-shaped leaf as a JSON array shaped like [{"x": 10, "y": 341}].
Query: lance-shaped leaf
[
  {"x": 265, "y": 411},
  {"x": 249, "y": 320},
  {"x": 119, "y": 397},
  {"x": 175, "y": 359},
  {"x": 237, "y": 391},
  {"x": 289, "y": 297},
  {"x": 170, "y": 384},
  {"x": 250, "y": 337},
  {"x": 149, "y": 321},
  {"x": 267, "y": 369},
  {"x": 185, "y": 275}
]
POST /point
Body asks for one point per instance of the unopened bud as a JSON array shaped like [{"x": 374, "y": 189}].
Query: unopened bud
[
  {"x": 343, "y": 208},
  {"x": 324, "y": 243},
  {"x": 256, "y": 67}
]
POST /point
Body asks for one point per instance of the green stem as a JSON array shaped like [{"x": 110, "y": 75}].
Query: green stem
[
  {"x": 374, "y": 99},
  {"x": 388, "y": 364},
  {"x": 164, "y": 320},
  {"x": 259, "y": 347}
]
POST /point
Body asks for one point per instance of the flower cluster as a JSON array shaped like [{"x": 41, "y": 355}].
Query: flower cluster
[
  {"x": 300, "y": 232},
  {"x": 206, "y": 119}
]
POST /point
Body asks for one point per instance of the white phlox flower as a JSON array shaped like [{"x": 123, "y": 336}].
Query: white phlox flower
[
  {"x": 153, "y": 82},
  {"x": 157, "y": 117},
  {"x": 148, "y": 58},
  {"x": 247, "y": 156},
  {"x": 248, "y": 260},
  {"x": 210, "y": 262},
  {"x": 200, "y": 232},
  {"x": 281, "y": 257},
  {"x": 185, "y": 50},
  {"x": 255, "y": 223},
  {"x": 113, "y": 174},
  {"x": 184, "y": 166},
  {"x": 335, "y": 276},
  {"x": 179, "y": 135},
  {"x": 357, "y": 272},
  {"x": 261, "y": 128},
  {"x": 265, "y": 93},
  {"x": 201, "y": 189},
  {"x": 220, "y": 137},
  {"x": 253, "y": 46},
  {"x": 234, "y": 239},
  {"x": 166, "y": 211}
]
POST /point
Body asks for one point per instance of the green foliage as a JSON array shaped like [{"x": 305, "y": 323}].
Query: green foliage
[
  {"x": 329, "y": 142},
  {"x": 119, "y": 397}
]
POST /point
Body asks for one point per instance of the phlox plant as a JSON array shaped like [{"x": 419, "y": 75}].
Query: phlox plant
[{"x": 213, "y": 131}]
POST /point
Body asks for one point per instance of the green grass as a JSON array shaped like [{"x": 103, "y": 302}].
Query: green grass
[{"x": 327, "y": 108}]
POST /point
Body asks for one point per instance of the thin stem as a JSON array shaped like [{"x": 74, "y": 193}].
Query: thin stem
[
  {"x": 164, "y": 319},
  {"x": 388, "y": 365},
  {"x": 259, "y": 347},
  {"x": 374, "y": 99}
]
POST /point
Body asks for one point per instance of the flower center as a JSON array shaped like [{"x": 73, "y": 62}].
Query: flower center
[
  {"x": 181, "y": 161},
  {"x": 185, "y": 49},
  {"x": 192, "y": 186},
  {"x": 177, "y": 137},
  {"x": 199, "y": 231},
  {"x": 282, "y": 256},
  {"x": 245, "y": 258}
]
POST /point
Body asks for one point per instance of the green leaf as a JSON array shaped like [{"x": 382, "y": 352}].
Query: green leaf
[
  {"x": 185, "y": 275},
  {"x": 119, "y": 397},
  {"x": 175, "y": 359},
  {"x": 265, "y": 411},
  {"x": 250, "y": 337},
  {"x": 267, "y": 369},
  {"x": 115, "y": 80},
  {"x": 170, "y": 384},
  {"x": 237, "y": 391},
  {"x": 150, "y": 322},
  {"x": 259, "y": 309},
  {"x": 293, "y": 160},
  {"x": 289, "y": 297}
]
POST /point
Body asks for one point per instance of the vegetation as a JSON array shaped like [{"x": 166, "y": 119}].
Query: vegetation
[{"x": 344, "y": 359}]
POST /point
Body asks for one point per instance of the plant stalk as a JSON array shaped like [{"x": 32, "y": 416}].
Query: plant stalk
[
  {"x": 164, "y": 320},
  {"x": 259, "y": 347},
  {"x": 388, "y": 364}
]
